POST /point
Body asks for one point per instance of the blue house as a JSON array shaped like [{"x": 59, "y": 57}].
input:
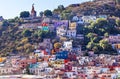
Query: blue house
[
  {"x": 62, "y": 55},
  {"x": 45, "y": 28}
]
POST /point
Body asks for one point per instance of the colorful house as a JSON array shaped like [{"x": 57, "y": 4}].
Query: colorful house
[
  {"x": 2, "y": 59},
  {"x": 73, "y": 26},
  {"x": 61, "y": 23},
  {"x": 62, "y": 55},
  {"x": 71, "y": 33},
  {"x": 114, "y": 39},
  {"x": 88, "y": 19},
  {"x": 6, "y": 70},
  {"x": 67, "y": 45},
  {"x": 61, "y": 31},
  {"x": 23, "y": 63},
  {"x": 72, "y": 56}
]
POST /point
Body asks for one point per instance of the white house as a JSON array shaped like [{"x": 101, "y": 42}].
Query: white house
[
  {"x": 38, "y": 68},
  {"x": 80, "y": 36},
  {"x": 102, "y": 16},
  {"x": 36, "y": 71},
  {"x": 74, "y": 69},
  {"x": 52, "y": 28},
  {"x": 61, "y": 31},
  {"x": 69, "y": 75},
  {"x": 39, "y": 27},
  {"x": 75, "y": 18},
  {"x": 78, "y": 50},
  {"x": 88, "y": 19},
  {"x": 52, "y": 58},
  {"x": 104, "y": 70},
  {"x": 48, "y": 69},
  {"x": 67, "y": 45},
  {"x": 80, "y": 21},
  {"x": 5, "y": 70},
  {"x": 71, "y": 33},
  {"x": 47, "y": 20},
  {"x": 37, "y": 51}
]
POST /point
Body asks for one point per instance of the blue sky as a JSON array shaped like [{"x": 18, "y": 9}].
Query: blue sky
[{"x": 12, "y": 8}]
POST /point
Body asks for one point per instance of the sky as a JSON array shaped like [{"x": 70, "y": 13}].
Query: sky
[{"x": 12, "y": 8}]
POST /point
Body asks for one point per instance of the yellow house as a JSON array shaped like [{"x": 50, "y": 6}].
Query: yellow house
[
  {"x": 117, "y": 46},
  {"x": 58, "y": 63},
  {"x": 72, "y": 26},
  {"x": 2, "y": 59}
]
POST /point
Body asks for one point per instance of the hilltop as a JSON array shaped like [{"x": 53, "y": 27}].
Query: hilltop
[{"x": 95, "y": 7}]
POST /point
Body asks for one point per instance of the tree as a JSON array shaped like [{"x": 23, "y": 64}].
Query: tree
[
  {"x": 57, "y": 45},
  {"x": 20, "y": 48},
  {"x": 95, "y": 48},
  {"x": 91, "y": 36},
  {"x": 26, "y": 46},
  {"x": 17, "y": 19},
  {"x": 61, "y": 7},
  {"x": 101, "y": 26},
  {"x": 38, "y": 33},
  {"x": 66, "y": 14},
  {"x": 5, "y": 23},
  {"x": 104, "y": 44},
  {"x": 41, "y": 14},
  {"x": 90, "y": 45},
  {"x": 11, "y": 20},
  {"x": 96, "y": 39},
  {"x": 118, "y": 22},
  {"x": 24, "y": 14},
  {"x": 26, "y": 33},
  {"x": 118, "y": 1},
  {"x": 27, "y": 70},
  {"x": 106, "y": 34},
  {"x": 48, "y": 13},
  {"x": 24, "y": 41}
]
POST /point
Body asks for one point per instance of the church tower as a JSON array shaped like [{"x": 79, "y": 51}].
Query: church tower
[{"x": 33, "y": 12}]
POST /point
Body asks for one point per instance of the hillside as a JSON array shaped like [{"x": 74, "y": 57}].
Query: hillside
[
  {"x": 14, "y": 40},
  {"x": 108, "y": 7}
]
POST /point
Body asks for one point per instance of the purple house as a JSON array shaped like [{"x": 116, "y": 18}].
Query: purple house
[
  {"x": 1, "y": 18},
  {"x": 61, "y": 23}
]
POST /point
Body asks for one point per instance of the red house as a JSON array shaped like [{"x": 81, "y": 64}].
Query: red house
[{"x": 72, "y": 57}]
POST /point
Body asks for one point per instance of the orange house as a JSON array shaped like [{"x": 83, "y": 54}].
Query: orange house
[
  {"x": 2, "y": 59},
  {"x": 117, "y": 46}
]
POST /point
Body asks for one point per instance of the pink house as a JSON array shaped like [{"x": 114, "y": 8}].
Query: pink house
[
  {"x": 68, "y": 67},
  {"x": 114, "y": 38},
  {"x": 25, "y": 62}
]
